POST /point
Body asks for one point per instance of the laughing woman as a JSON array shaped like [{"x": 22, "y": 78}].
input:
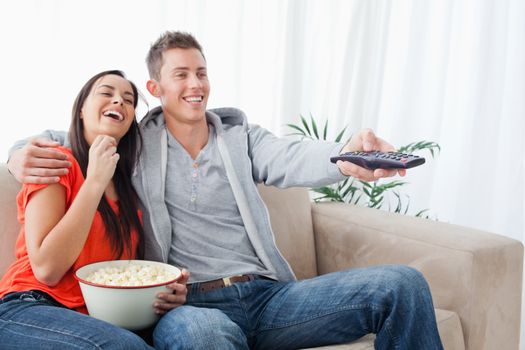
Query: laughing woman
[{"x": 90, "y": 215}]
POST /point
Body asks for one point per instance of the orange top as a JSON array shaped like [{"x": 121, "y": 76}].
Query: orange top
[{"x": 20, "y": 277}]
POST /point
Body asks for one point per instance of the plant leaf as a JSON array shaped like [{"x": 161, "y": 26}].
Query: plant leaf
[
  {"x": 421, "y": 145},
  {"x": 420, "y": 213},
  {"x": 301, "y": 131},
  {"x": 314, "y": 126},
  {"x": 340, "y": 135},
  {"x": 305, "y": 124}
]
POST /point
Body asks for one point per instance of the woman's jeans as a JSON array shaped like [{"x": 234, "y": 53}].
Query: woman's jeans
[
  {"x": 33, "y": 320},
  {"x": 394, "y": 302}
]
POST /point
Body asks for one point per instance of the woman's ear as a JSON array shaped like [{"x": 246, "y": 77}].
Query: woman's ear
[{"x": 153, "y": 87}]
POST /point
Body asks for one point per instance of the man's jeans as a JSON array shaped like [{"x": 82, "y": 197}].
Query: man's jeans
[
  {"x": 33, "y": 320},
  {"x": 392, "y": 301}
]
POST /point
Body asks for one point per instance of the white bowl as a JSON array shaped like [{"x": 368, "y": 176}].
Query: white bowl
[{"x": 130, "y": 307}]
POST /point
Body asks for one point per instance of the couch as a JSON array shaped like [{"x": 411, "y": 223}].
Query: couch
[{"x": 475, "y": 276}]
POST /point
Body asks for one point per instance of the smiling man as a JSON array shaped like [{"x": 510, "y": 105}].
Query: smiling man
[
  {"x": 197, "y": 181},
  {"x": 179, "y": 80}
]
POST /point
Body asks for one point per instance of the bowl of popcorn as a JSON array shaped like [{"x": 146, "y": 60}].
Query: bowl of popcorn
[{"x": 122, "y": 292}]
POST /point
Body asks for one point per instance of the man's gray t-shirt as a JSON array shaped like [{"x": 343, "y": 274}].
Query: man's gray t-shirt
[{"x": 208, "y": 234}]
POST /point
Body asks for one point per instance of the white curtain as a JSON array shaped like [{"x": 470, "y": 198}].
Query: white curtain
[
  {"x": 449, "y": 71},
  {"x": 446, "y": 71}
]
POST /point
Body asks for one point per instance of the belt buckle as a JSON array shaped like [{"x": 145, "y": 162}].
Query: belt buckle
[{"x": 228, "y": 280}]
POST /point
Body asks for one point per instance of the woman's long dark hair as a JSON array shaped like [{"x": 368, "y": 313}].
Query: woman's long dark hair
[{"x": 118, "y": 226}]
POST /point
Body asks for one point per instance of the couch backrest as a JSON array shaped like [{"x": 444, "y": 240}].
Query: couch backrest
[
  {"x": 291, "y": 217},
  {"x": 9, "y": 226},
  {"x": 289, "y": 212}
]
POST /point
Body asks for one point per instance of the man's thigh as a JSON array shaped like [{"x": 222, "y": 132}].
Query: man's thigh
[
  {"x": 330, "y": 309},
  {"x": 189, "y": 327}
]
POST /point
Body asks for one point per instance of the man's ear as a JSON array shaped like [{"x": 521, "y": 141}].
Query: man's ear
[{"x": 153, "y": 87}]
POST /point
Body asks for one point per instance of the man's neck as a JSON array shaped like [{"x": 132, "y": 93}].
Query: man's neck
[{"x": 192, "y": 137}]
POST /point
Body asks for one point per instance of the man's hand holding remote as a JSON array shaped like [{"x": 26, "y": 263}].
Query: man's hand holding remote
[{"x": 366, "y": 141}]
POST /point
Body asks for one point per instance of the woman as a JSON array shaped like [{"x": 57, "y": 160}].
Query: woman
[{"x": 90, "y": 215}]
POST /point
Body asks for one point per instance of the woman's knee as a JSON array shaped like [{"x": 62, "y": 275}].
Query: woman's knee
[{"x": 83, "y": 333}]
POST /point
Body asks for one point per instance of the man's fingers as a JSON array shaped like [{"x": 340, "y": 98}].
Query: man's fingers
[
  {"x": 49, "y": 164},
  {"x": 177, "y": 289},
  {"x": 184, "y": 276},
  {"x": 40, "y": 180},
  {"x": 43, "y": 142},
  {"x": 171, "y": 298},
  {"x": 51, "y": 153},
  {"x": 164, "y": 308},
  {"x": 168, "y": 301},
  {"x": 178, "y": 294},
  {"x": 380, "y": 173},
  {"x": 46, "y": 172},
  {"x": 368, "y": 139},
  {"x": 350, "y": 169}
]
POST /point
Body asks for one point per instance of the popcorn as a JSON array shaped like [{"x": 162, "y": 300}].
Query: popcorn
[{"x": 130, "y": 275}]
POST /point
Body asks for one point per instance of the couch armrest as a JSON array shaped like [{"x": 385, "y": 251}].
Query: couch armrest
[{"x": 474, "y": 273}]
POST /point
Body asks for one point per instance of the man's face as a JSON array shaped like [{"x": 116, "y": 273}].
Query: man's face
[{"x": 183, "y": 87}]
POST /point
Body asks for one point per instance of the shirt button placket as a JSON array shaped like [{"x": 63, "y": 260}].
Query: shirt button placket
[{"x": 194, "y": 182}]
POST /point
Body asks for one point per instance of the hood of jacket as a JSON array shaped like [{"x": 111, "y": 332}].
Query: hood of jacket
[{"x": 221, "y": 118}]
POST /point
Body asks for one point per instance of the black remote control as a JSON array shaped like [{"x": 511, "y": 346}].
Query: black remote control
[{"x": 380, "y": 160}]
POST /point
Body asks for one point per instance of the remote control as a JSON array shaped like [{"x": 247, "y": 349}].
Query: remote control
[{"x": 380, "y": 160}]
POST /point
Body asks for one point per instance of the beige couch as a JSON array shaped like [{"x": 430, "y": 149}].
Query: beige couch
[{"x": 475, "y": 276}]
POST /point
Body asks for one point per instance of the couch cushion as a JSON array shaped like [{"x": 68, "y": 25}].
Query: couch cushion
[
  {"x": 291, "y": 218},
  {"x": 449, "y": 330},
  {"x": 9, "y": 226}
]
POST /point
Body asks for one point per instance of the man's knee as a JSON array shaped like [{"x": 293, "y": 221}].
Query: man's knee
[
  {"x": 406, "y": 285},
  {"x": 406, "y": 277},
  {"x": 189, "y": 327}
]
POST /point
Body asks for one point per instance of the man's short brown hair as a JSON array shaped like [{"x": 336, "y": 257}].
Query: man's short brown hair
[{"x": 168, "y": 40}]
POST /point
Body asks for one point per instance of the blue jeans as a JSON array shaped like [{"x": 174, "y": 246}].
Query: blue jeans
[
  {"x": 394, "y": 302},
  {"x": 33, "y": 320}
]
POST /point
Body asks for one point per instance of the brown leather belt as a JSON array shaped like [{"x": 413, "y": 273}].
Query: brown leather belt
[{"x": 224, "y": 282}]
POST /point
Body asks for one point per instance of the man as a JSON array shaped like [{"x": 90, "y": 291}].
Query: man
[{"x": 197, "y": 183}]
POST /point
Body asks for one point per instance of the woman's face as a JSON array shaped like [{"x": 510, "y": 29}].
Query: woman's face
[{"x": 109, "y": 108}]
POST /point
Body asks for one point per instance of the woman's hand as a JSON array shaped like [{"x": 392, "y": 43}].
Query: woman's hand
[{"x": 103, "y": 158}]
